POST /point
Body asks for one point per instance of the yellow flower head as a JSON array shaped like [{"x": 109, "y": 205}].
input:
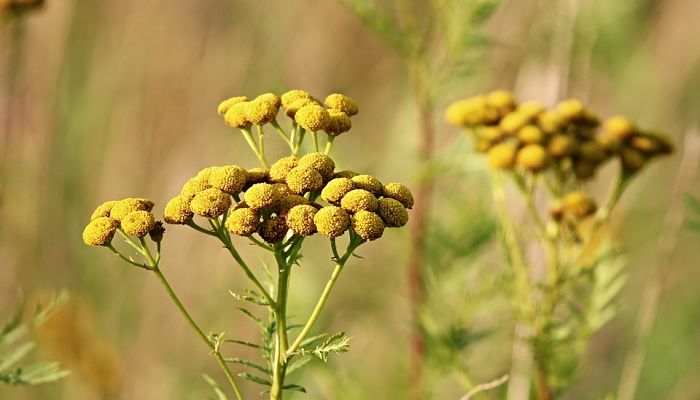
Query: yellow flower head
[
  {"x": 512, "y": 122},
  {"x": 490, "y": 134},
  {"x": 608, "y": 141},
  {"x": 292, "y": 96},
  {"x": 236, "y": 116},
  {"x": 471, "y": 112},
  {"x": 177, "y": 211},
  {"x": 226, "y": 104},
  {"x": 332, "y": 221},
  {"x": 651, "y": 144},
  {"x": 346, "y": 173},
  {"x": 261, "y": 196},
  {"x": 273, "y": 229},
  {"x": 336, "y": 188},
  {"x": 260, "y": 112},
  {"x": 549, "y": 122},
  {"x": 257, "y": 175},
  {"x": 530, "y": 134},
  {"x": 292, "y": 108},
  {"x": 571, "y": 110},
  {"x": 578, "y": 205},
  {"x": 302, "y": 179},
  {"x": 270, "y": 98},
  {"x": 342, "y": 103},
  {"x": 398, "y": 192},
  {"x": 502, "y": 100},
  {"x": 100, "y": 231},
  {"x": 210, "y": 203},
  {"x": 338, "y": 123},
  {"x": 530, "y": 109},
  {"x": 138, "y": 223},
  {"x": 229, "y": 178},
  {"x": 619, "y": 127},
  {"x": 103, "y": 209},
  {"x": 290, "y": 201},
  {"x": 282, "y": 189},
  {"x": 194, "y": 186},
  {"x": 243, "y": 221},
  {"x": 392, "y": 212},
  {"x": 281, "y": 167},
  {"x": 300, "y": 219},
  {"x": 532, "y": 157},
  {"x": 368, "y": 225},
  {"x": 312, "y": 117},
  {"x": 123, "y": 207},
  {"x": 320, "y": 162},
  {"x": 561, "y": 145},
  {"x": 204, "y": 173},
  {"x": 156, "y": 234},
  {"x": 369, "y": 183},
  {"x": 359, "y": 199},
  {"x": 501, "y": 156}
]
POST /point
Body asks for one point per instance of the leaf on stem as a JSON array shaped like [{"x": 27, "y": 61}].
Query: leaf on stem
[{"x": 336, "y": 343}]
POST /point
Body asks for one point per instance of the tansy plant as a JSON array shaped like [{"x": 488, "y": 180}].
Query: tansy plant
[
  {"x": 276, "y": 208},
  {"x": 549, "y": 155}
]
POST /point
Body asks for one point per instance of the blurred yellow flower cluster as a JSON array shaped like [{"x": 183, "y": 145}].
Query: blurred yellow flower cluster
[{"x": 567, "y": 139}]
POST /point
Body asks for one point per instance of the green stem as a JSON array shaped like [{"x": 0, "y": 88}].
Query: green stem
[
  {"x": 314, "y": 137},
  {"x": 513, "y": 246},
  {"x": 229, "y": 376},
  {"x": 249, "y": 273},
  {"x": 340, "y": 263},
  {"x": 125, "y": 258},
  {"x": 261, "y": 145},
  {"x": 247, "y": 134},
  {"x": 281, "y": 321},
  {"x": 329, "y": 145},
  {"x": 198, "y": 228},
  {"x": 282, "y": 133}
]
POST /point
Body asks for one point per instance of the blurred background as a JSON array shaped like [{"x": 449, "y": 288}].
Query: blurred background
[{"x": 109, "y": 99}]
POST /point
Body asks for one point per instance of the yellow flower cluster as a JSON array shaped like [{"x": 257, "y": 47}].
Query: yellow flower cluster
[
  {"x": 270, "y": 203},
  {"x": 332, "y": 116},
  {"x": 132, "y": 215},
  {"x": 568, "y": 138}
]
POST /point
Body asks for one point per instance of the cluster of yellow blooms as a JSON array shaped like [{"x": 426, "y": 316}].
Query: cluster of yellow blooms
[
  {"x": 131, "y": 215},
  {"x": 284, "y": 198},
  {"x": 300, "y": 106},
  {"x": 567, "y": 141}
]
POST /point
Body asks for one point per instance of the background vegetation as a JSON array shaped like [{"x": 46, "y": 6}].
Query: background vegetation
[{"x": 101, "y": 99}]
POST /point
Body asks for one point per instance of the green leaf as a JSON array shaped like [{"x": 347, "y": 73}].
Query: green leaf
[
  {"x": 243, "y": 343},
  {"x": 39, "y": 373},
  {"x": 10, "y": 359},
  {"x": 337, "y": 343},
  {"x": 255, "y": 379},
  {"x": 250, "y": 364},
  {"x": 312, "y": 339},
  {"x": 220, "y": 395},
  {"x": 294, "y": 387}
]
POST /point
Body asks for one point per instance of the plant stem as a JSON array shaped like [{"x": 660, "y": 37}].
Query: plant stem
[
  {"x": 153, "y": 266},
  {"x": 324, "y": 296},
  {"x": 253, "y": 146},
  {"x": 314, "y": 136},
  {"x": 249, "y": 273},
  {"x": 329, "y": 145},
  {"x": 280, "y": 311}
]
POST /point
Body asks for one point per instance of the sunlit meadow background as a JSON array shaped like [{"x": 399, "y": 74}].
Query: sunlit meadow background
[{"x": 109, "y": 99}]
